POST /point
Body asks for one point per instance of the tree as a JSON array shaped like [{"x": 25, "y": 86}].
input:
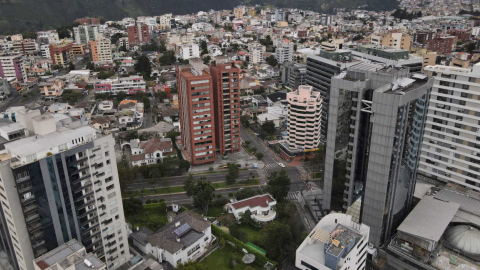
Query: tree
[
  {"x": 278, "y": 239},
  {"x": 247, "y": 142},
  {"x": 254, "y": 149},
  {"x": 162, "y": 48},
  {"x": 90, "y": 66},
  {"x": 245, "y": 120},
  {"x": 245, "y": 193},
  {"x": 206, "y": 59},
  {"x": 71, "y": 66},
  {"x": 155, "y": 173},
  {"x": 272, "y": 61},
  {"x": 71, "y": 97},
  {"x": 246, "y": 218},
  {"x": 232, "y": 174},
  {"x": 143, "y": 66},
  {"x": 167, "y": 58},
  {"x": 189, "y": 185},
  {"x": 203, "y": 47},
  {"x": 259, "y": 155},
  {"x": 116, "y": 37},
  {"x": 191, "y": 266},
  {"x": 132, "y": 207},
  {"x": 278, "y": 184},
  {"x": 203, "y": 195},
  {"x": 268, "y": 127},
  {"x": 29, "y": 34}
]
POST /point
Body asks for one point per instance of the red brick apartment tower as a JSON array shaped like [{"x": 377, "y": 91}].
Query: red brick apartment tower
[
  {"x": 195, "y": 97},
  {"x": 226, "y": 99},
  {"x": 138, "y": 33}
]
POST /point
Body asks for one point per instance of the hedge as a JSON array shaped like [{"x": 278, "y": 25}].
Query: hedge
[{"x": 260, "y": 258}]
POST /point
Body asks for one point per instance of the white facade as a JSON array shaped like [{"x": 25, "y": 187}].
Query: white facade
[
  {"x": 45, "y": 51},
  {"x": 450, "y": 149},
  {"x": 96, "y": 192},
  {"x": 304, "y": 113},
  {"x": 284, "y": 51},
  {"x": 260, "y": 206},
  {"x": 346, "y": 243},
  {"x": 8, "y": 64},
  {"x": 256, "y": 55},
  {"x": 165, "y": 21},
  {"x": 190, "y": 50},
  {"x": 52, "y": 36},
  {"x": 85, "y": 33},
  {"x": 123, "y": 84}
]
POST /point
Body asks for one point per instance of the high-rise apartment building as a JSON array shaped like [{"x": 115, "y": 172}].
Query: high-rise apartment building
[
  {"x": 226, "y": 99},
  {"x": 304, "y": 112},
  {"x": 256, "y": 54},
  {"x": 294, "y": 74},
  {"x": 58, "y": 185},
  {"x": 195, "y": 94},
  {"x": 450, "y": 149},
  {"x": 85, "y": 33},
  {"x": 12, "y": 67},
  {"x": 138, "y": 33},
  {"x": 26, "y": 46},
  {"x": 165, "y": 21},
  {"x": 284, "y": 51},
  {"x": 101, "y": 49},
  {"x": 62, "y": 52},
  {"x": 375, "y": 128}
]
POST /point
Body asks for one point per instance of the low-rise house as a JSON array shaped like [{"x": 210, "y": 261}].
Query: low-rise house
[
  {"x": 152, "y": 151},
  {"x": 101, "y": 123},
  {"x": 52, "y": 89},
  {"x": 275, "y": 118},
  {"x": 129, "y": 119},
  {"x": 184, "y": 239},
  {"x": 59, "y": 108},
  {"x": 105, "y": 105},
  {"x": 260, "y": 206}
]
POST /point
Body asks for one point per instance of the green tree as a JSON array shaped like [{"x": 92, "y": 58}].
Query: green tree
[
  {"x": 162, "y": 48},
  {"x": 203, "y": 47},
  {"x": 143, "y": 66},
  {"x": 259, "y": 155},
  {"x": 245, "y": 193},
  {"x": 189, "y": 185},
  {"x": 246, "y": 218},
  {"x": 268, "y": 127},
  {"x": 206, "y": 59},
  {"x": 278, "y": 184},
  {"x": 132, "y": 207},
  {"x": 278, "y": 239},
  {"x": 245, "y": 120},
  {"x": 191, "y": 266},
  {"x": 272, "y": 61},
  {"x": 90, "y": 66},
  {"x": 203, "y": 195},
  {"x": 167, "y": 58},
  {"x": 114, "y": 39},
  {"x": 318, "y": 159},
  {"x": 232, "y": 174},
  {"x": 29, "y": 34},
  {"x": 121, "y": 96},
  {"x": 71, "y": 66},
  {"x": 155, "y": 173}
]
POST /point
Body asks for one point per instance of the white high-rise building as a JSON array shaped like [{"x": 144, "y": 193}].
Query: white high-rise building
[
  {"x": 85, "y": 33},
  {"x": 284, "y": 51},
  {"x": 336, "y": 243},
  {"x": 304, "y": 112},
  {"x": 451, "y": 144},
  {"x": 189, "y": 50},
  {"x": 256, "y": 53},
  {"x": 57, "y": 185}
]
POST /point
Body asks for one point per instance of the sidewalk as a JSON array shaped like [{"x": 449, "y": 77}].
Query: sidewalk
[{"x": 243, "y": 158}]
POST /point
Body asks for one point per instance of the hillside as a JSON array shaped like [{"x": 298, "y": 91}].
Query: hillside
[{"x": 22, "y": 15}]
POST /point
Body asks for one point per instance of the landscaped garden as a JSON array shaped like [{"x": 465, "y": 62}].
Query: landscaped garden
[
  {"x": 153, "y": 215},
  {"x": 223, "y": 258}
]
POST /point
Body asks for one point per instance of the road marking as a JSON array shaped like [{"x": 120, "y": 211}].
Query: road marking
[{"x": 292, "y": 196}]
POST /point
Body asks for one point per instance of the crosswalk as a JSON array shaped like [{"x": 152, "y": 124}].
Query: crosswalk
[
  {"x": 272, "y": 166},
  {"x": 292, "y": 196}
]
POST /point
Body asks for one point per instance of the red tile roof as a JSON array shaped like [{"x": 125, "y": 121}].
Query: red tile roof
[
  {"x": 261, "y": 201},
  {"x": 42, "y": 264}
]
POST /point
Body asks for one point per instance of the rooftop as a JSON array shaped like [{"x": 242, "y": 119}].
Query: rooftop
[{"x": 259, "y": 200}]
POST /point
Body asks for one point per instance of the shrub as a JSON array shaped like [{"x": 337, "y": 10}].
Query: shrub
[
  {"x": 49, "y": 154},
  {"x": 219, "y": 196},
  {"x": 154, "y": 201},
  {"x": 211, "y": 169},
  {"x": 230, "y": 194},
  {"x": 148, "y": 201}
]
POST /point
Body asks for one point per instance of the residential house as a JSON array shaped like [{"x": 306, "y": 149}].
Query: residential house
[
  {"x": 152, "y": 151},
  {"x": 52, "y": 89},
  {"x": 260, "y": 206},
  {"x": 184, "y": 239}
]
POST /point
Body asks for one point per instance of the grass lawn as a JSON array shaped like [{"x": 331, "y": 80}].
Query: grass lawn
[
  {"x": 215, "y": 211},
  {"x": 220, "y": 259},
  {"x": 252, "y": 235},
  {"x": 154, "y": 217}
]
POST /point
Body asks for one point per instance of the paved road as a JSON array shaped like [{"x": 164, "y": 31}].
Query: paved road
[
  {"x": 178, "y": 180},
  {"x": 271, "y": 160},
  {"x": 183, "y": 198}
]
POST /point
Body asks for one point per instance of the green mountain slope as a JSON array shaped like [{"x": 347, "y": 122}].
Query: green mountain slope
[{"x": 22, "y": 15}]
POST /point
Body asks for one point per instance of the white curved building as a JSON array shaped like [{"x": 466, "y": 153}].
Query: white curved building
[{"x": 304, "y": 113}]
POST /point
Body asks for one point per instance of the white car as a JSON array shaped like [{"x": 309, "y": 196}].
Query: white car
[{"x": 281, "y": 165}]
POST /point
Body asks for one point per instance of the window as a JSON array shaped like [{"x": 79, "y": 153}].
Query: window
[
  {"x": 105, "y": 144},
  {"x": 110, "y": 187},
  {"x": 108, "y": 162},
  {"x": 106, "y": 153}
]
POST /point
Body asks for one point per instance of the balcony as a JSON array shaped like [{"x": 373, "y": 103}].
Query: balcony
[
  {"x": 32, "y": 217},
  {"x": 22, "y": 178},
  {"x": 29, "y": 208},
  {"x": 28, "y": 199},
  {"x": 35, "y": 236},
  {"x": 35, "y": 226},
  {"x": 271, "y": 215},
  {"x": 25, "y": 188},
  {"x": 38, "y": 244}
]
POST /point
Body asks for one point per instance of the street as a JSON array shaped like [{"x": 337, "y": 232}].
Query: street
[
  {"x": 271, "y": 160},
  {"x": 182, "y": 197},
  {"x": 178, "y": 180}
]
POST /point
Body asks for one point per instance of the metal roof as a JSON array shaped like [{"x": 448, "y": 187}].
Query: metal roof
[
  {"x": 467, "y": 203},
  {"x": 429, "y": 218}
]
